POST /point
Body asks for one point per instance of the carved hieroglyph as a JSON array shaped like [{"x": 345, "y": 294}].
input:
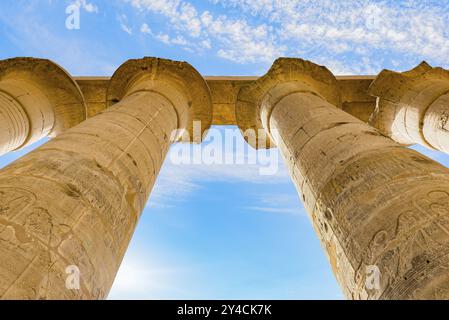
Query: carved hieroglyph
[
  {"x": 76, "y": 200},
  {"x": 371, "y": 201},
  {"x": 413, "y": 106},
  {"x": 37, "y": 99}
]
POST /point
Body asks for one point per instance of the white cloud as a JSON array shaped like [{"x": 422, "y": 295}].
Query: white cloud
[
  {"x": 277, "y": 202},
  {"x": 348, "y": 31},
  {"x": 181, "y": 14},
  {"x": 145, "y": 29},
  {"x": 166, "y": 7},
  {"x": 405, "y": 27},
  {"x": 287, "y": 210},
  {"x": 165, "y": 38},
  {"x": 236, "y": 38},
  {"x": 206, "y": 44},
  {"x": 242, "y": 42},
  {"x": 178, "y": 181},
  {"x": 179, "y": 40},
  {"x": 87, "y": 6},
  {"x": 123, "y": 20}
]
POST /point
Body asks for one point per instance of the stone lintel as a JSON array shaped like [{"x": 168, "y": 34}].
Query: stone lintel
[{"x": 224, "y": 90}]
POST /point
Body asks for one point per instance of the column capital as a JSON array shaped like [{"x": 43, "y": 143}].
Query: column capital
[
  {"x": 166, "y": 77},
  {"x": 404, "y": 99},
  {"x": 393, "y": 86},
  {"x": 51, "y": 83},
  {"x": 286, "y": 76}
]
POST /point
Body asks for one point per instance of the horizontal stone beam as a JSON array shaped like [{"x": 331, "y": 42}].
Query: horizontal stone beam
[{"x": 224, "y": 90}]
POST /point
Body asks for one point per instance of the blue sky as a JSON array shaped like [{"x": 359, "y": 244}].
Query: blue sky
[{"x": 226, "y": 231}]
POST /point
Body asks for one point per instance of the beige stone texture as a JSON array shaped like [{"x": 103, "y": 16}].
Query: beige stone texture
[
  {"x": 37, "y": 99},
  {"x": 224, "y": 90},
  {"x": 413, "y": 106},
  {"x": 94, "y": 90},
  {"x": 355, "y": 99},
  {"x": 372, "y": 201},
  {"x": 76, "y": 200}
]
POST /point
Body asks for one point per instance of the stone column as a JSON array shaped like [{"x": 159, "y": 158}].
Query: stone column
[
  {"x": 37, "y": 99},
  {"x": 72, "y": 204},
  {"x": 413, "y": 106},
  {"x": 374, "y": 204}
]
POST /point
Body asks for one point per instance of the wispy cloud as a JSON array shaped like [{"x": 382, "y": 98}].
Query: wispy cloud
[
  {"x": 235, "y": 39},
  {"x": 87, "y": 6},
  {"x": 123, "y": 20},
  {"x": 176, "y": 182},
  {"x": 277, "y": 202},
  {"x": 355, "y": 33},
  {"x": 275, "y": 210}
]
